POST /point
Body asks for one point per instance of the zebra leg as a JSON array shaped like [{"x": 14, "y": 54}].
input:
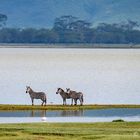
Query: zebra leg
[
  {"x": 75, "y": 100},
  {"x": 82, "y": 100},
  {"x": 45, "y": 102},
  {"x": 32, "y": 101},
  {"x": 81, "y": 103},
  {"x": 42, "y": 103},
  {"x": 63, "y": 101},
  {"x": 71, "y": 101}
]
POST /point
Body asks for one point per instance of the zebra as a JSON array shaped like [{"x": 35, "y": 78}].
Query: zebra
[
  {"x": 36, "y": 95},
  {"x": 63, "y": 94},
  {"x": 75, "y": 96}
]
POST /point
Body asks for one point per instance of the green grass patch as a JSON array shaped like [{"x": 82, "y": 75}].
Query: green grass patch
[{"x": 68, "y": 131}]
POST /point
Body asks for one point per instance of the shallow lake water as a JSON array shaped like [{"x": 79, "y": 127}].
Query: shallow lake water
[
  {"x": 120, "y": 112},
  {"x": 97, "y": 115},
  {"x": 105, "y": 76}
]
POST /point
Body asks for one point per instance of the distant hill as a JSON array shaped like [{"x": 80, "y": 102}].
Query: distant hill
[{"x": 41, "y": 13}]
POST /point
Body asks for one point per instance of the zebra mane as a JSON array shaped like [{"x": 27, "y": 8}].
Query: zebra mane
[
  {"x": 30, "y": 89},
  {"x": 61, "y": 89}
]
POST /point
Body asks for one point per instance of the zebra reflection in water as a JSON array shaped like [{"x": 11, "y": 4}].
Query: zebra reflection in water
[
  {"x": 73, "y": 113},
  {"x": 38, "y": 113}
]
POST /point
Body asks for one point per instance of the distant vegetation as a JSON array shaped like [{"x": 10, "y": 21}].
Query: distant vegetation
[
  {"x": 3, "y": 19},
  {"x": 119, "y": 120},
  {"x": 70, "y": 29}
]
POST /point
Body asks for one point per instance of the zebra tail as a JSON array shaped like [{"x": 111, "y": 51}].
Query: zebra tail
[{"x": 82, "y": 98}]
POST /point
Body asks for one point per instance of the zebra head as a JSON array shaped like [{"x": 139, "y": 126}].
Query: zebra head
[
  {"x": 28, "y": 89},
  {"x": 59, "y": 90},
  {"x": 68, "y": 90}
]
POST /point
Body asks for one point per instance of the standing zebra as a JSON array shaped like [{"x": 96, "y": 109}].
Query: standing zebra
[
  {"x": 75, "y": 96},
  {"x": 36, "y": 95},
  {"x": 63, "y": 94}
]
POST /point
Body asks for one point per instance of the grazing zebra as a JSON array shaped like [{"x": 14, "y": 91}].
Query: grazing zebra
[
  {"x": 63, "y": 94},
  {"x": 75, "y": 96},
  {"x": 36, "y": 95}
]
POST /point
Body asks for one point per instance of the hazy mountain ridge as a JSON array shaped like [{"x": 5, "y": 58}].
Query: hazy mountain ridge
[{"x": 41, "y": 13}]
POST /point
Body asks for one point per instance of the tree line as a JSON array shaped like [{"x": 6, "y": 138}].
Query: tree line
[{"x": 70, "y": 29}]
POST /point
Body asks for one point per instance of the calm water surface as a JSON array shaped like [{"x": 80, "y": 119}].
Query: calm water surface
[
  {"x": 105, "y": 76},
  {"x": 97, "y": 115},
  {"x": 73, "y": 113}
]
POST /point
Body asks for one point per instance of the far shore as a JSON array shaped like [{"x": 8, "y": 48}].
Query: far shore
[
  {"x": 65, "y": 107},
  {"x": 70, "y": 45}
]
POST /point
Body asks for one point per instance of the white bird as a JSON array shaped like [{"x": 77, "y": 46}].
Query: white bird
[{"x": 43, "y": 119}]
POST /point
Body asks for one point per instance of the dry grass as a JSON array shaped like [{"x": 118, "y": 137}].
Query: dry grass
[{"x": 61, "y": 107}]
